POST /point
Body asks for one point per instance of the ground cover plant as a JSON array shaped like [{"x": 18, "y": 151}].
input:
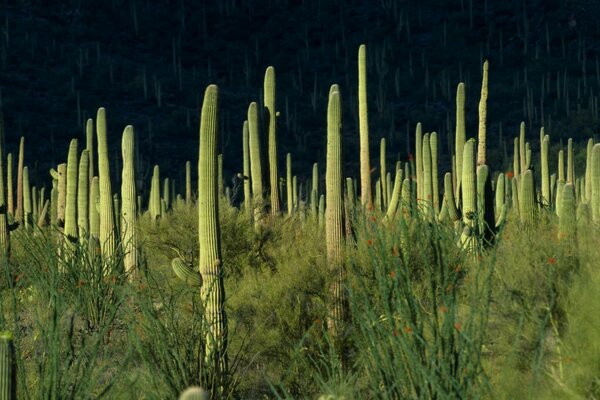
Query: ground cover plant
[{"x": 409, "y": 280}]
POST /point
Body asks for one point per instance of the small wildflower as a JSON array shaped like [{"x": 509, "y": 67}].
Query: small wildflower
[
  {"x": 80, "y": 283},
  {"x": 392, "y": 274},
  {"x": 407, "y": 329},
  {"x": 18, "y": 277},
  {"x": 510, "y": 174},
  {"x": 457, "y": 326},
  {"x": 373, "y": 218},
  {"x": 443, "y": 309},
  {"x": 551, "y": 260},
  {"x": 369, "y": 242}
]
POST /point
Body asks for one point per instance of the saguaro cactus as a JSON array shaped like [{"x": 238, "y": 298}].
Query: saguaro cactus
[
  {"x": 71, "y": 197},
  {"x": 211, "y": 268},
  {"x": 459, "y": 140},
  {"x": 334, "y": 214},
  {"x": 546, "y": 198},
  {"x": 155, "y": 206},
  {"x": 8, "y": 367},
  {"x": 128, "y": 200},
  {"x": 255, "y": 161},
  {"x": 595, "y": 182},
  {"x": 19, "y": 211},
  {"x": 246, "y": 167},
  {"x": 270, "y": 119},
  {"x": 363, "y": 118},
  {"x": 481, "y": 136},
  {"x": 9, "y": 185},
  {"x": 108, "y": 238},
  {"x": 288, "y": 183},
  {"x": 83, "y": 191}
]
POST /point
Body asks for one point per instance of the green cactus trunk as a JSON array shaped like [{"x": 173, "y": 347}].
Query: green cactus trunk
[
  {"x": 9, "y": 185},
  {"x": 482, "y": 131},
  {"x": 20, "y": 164},
  {"x": 27, "y": 206},
  {"x": 460, "y": 136},
  {"x": 246, "y": 168},
  {"x": 288, "y": 183},
  {"x": 83, "y": 191},
  {"x": 155, "y": 206},
  {"x": 433, "y": 144},
  {"x": 469, "y": 197},
  {"x": 334, "y": 219},
  {"x": 255, "y": 162},
  {"x": 108, "y": 239},
  {"x": 129, "y": 239},
  {"x": 8, "y": 367},
  {"x": 271, "y": 125},
  {"x": 595, "y": 183},
  {"x": 527, "y": 206},
  {"x": 546, "y": 196},
  {"x": 70, "y": 230},
  {"x": 363, "y": 118},
  {"x": 570, "y": 162},
  {"x": 94, "y": 208},
  {"x": 211, "y": 266}
]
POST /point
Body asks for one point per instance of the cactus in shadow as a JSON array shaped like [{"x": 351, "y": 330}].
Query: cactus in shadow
[
  {"x": 570, "y": 162},
  {"x": 334, "y": 219},
  {"x": 108, "y": 239},
  {"x": 211, "y": 268},
  {"x": 588, "y": 170},
  {"x": 270, "y": 120},
  {"x": 383, "y": 172},
  {"x": 433, "y": 144},
  {"x": 288, "y": 183},
  {"x": 9, "y": 185},
  {"x": 129, "y": 238},
  {"x": 8, "y": 367}
]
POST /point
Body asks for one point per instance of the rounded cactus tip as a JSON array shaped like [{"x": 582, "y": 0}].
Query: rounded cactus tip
[{"x": 194, "y": 393}]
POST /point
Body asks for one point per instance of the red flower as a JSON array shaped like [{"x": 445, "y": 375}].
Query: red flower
[
  {"x": 551, "y": 260},
  {"x": 369, "y": 242},
  {"x": 392, "y": 274},
  {"x": 408, "y": 329},
  {"x": 509, "y": 174},
  {"x": 457, "y": 326}
]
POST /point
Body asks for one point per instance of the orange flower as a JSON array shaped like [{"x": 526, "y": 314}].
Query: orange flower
[
  {"x": 392, "y": 274},
  {"x": 510, "y": 174},
  {"x": 457, "y": 326},
  {"x": 443, "y": 309},
  {"x": 408, "y": 329},
  {"x": 551, "y": 260},
  {"x": 373, "y": 218},
  {"x": 18, "y": 277},
  {"x": 80, "y": 283},
  {"x": 369, "y": 242}
]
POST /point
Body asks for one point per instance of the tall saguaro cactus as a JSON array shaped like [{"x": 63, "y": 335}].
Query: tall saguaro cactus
[
  {"x": 19, "y": 210},
  {"x": 255, "y": 161},
  {"x": 460, "y": 136},
  {"x": 211, "y": 268},
  {"x": 8, "y": 367},
  {"x": 363, "y": 117},
  {"x": 271, "y": 119},
  {"x": 334, "y": 214},
  {"x": 128, "y": 199},
  {"x": 482, "y": 132},
  {"x": 246, "y": 168},
  {"x": 108, "y": 240},
  {"x": 71, "y": 196},
  {"x": 83, "y": 192}
]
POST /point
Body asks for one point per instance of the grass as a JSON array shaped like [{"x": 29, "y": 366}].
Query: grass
[{"x": 518, "y": 320}]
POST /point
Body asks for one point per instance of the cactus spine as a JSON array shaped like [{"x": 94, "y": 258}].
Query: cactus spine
[
  {"x": 211, "y": 268},
  {"x": 271, "y": 116},
  {"x": 107, "y": 222},
  {"x": 481, "y": 135},
  {"x": 128, "y": 200},
  {"x": 334, "y": 214},
  {"x": 363, "y": 118}
]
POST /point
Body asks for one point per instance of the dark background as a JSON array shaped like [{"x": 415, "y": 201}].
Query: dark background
[{"x": 61, "y": 60}]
